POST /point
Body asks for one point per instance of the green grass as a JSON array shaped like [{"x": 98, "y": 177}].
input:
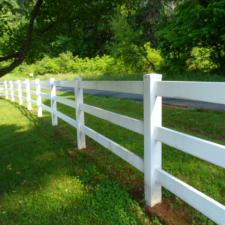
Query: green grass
[
  {"x": 187, "y": 76},
  {"x": 45, "y": 181}
]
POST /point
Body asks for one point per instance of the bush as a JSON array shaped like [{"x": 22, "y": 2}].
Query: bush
[
  {"x": 201, "y": 60},
  {"x": 67, "y": 63},
  {"x": 153, "y": 57}
]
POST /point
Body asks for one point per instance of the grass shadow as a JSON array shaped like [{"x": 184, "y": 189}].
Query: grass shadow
[{"x": 44, "y": 181}]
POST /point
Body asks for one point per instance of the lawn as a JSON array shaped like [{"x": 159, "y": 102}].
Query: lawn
[
  {"x": 44, "y": 180},
  {"x": 187, "y": 76}
]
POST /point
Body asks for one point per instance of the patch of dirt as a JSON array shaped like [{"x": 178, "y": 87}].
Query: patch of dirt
[
  {"x": 169, "y": 214},
  {"x": 169, "y": 211},
  {"x": 59, "y": 133}
]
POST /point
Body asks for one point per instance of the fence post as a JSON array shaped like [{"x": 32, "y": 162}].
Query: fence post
[
  {"x": 12, "y": 91},
  {"x": 6, "y": 89},
  {"x": 39, "y": 99},
  {"x": 81, "y": 140},
  {"x": 29, "y": 106},
  {"x": 152, "y": 147},
  {"x": 53, "y": 102},
  {"x": 19, "y": 89}
]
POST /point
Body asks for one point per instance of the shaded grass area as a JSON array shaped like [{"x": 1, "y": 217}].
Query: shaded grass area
[
  {"x": 45, "y": 181},
  {"x": 204, "y": 176}
]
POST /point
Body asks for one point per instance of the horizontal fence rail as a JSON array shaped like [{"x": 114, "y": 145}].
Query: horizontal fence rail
[
  {"x": 134, "y": 87},
  {"x": 121, "y": 120},
  {"x": 206, "y": 205},
  {"x": 122, "y": 152},
  {"x": 198, "y": 91},
  {"x": 206, "y": 150},
  {"x": 64, "y": 101},
  {"x": 65, "y": 84},
  {"x": 153, "y": 89}
]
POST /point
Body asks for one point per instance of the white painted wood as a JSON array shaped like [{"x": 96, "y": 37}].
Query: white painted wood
[
  {"x": 44, "y": 95},
  {"x": 24, "y": 90},
  {"x": 19, "y": 89},
  {"x": 66, "y": 118},
  {"x": 47, "y": 108},
  {"x": 6, "y": 89},
  {"x": 45, "y": 85},
  {"x": 121, "y": 120},
  {"x": 206, "y": 150},
  {"x": 39, "y": 98},
  {"x": 135, "y": 87},
  {"x": 53, "y": 102},
  {"x": 2, "y": 89},
  {"x": 33, "y": 92},
  {"x": 29, "y": 105},
  {"x": 32, "y": 84},
  {"x": 152, "y": 147},
  {"x": 12, "y": 91},
  {"x": 64, "y": 101},
  {"x": 81, "y": 140},
  {"x": 117, "y": 149},
  {"x": 33, "y": 101},
  {"x": 206, "y": 205},
  {"x": 68, "y": 84},
  {"x": 199, "y": 91}
]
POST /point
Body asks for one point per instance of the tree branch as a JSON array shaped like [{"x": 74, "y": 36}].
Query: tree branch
[
  {"x": 10, "y": 56},
  {"x": 20, "y": 56}
]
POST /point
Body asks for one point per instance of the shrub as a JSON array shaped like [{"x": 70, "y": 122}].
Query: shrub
[
  {"x": 201, "y": 60},
  {"x": 67, "y": 63},
  {"x": 154, "y": 58}
]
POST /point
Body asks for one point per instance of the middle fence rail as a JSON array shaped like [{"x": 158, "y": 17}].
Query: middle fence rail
[{"x": 153, "y": 89}]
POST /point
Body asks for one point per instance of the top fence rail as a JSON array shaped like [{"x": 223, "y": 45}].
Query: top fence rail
[{"x": 213, "y": 92}]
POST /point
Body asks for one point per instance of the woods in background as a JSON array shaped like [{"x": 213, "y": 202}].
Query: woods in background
[{"x": 142, "y": 35}]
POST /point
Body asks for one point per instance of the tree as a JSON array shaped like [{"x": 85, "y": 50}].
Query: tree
[
  {"x": 194, "y": 24},
  {"x": 19, "y": 56}
]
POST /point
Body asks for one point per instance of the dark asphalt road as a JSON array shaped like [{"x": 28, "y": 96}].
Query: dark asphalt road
[{"x": 166, "y": 101}]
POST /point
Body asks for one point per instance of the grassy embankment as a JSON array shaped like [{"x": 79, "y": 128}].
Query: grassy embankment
[{"x": 45, "y": 181}]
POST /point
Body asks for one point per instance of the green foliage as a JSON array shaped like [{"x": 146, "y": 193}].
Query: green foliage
[
  {"x": 200, "y": 60},
  {"x": 67, "y": 63},
  {"x": 153, "y": 56},
  {"x": 194, "y": 24},
  {"x": 125, "y": 44},
  {"x": 13, "y": 20},
  {"x": 126, "y": 30},
  {"x": 129, "y": 47}
]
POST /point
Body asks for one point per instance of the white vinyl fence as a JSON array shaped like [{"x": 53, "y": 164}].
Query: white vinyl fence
[{"x": 153, "y": 89}]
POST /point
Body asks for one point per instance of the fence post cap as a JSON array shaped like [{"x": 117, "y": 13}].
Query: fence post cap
[
  {"x": 78, "y": 78},
  {"x": 153, "y": 76}
]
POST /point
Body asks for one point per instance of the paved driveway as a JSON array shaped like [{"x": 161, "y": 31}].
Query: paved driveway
[{"x": 166, "y": 101}]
